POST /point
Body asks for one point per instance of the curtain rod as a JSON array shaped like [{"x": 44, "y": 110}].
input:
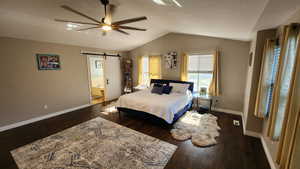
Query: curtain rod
[{"x": 101, "y": 54}]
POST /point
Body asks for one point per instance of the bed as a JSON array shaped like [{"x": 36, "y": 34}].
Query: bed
[{"x": 166, "y": 107}]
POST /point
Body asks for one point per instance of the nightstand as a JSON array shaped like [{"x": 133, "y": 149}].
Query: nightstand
[
  {"x": 139, "y": 88},
  {"x": 205, "y": 98}
]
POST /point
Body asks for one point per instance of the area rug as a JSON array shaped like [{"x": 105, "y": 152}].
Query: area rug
[
  {"x": 95, "y": 144},
  {"x": 202, "y": 129}
]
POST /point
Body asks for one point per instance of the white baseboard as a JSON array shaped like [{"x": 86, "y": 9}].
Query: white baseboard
[
  {"x": 252, "y": 133},
  {"x": 273, "y": 165},
  {"x": 21, "y": 123},
  {"x": 234, "y": 112},
  {"x": 248, "y": 132}
]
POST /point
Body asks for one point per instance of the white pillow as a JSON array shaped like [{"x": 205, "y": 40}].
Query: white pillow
[{"x": 179, "y": 87}]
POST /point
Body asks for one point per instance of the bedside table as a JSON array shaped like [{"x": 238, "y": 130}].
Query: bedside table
[
  {"x": 139, "y": 88},
  {"x": 206, "y": 98}
]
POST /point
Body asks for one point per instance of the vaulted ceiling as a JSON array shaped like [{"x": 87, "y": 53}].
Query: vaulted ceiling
[{"x": 232, "y": 19}]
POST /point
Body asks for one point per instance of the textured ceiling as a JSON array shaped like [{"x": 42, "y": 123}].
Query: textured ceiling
[{"x": 232, "y": 19}]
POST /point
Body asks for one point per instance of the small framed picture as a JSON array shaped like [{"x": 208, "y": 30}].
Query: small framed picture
[
  {"x": 48, "y": 62},
  {"x": 203, "y": 91}
]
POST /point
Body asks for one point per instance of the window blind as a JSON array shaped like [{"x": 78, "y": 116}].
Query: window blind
[
  {"x": 273, "y": 76},
  {"x": 200, "y": 63}
]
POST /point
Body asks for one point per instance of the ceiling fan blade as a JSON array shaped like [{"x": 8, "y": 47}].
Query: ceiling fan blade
[
  {"x": 77, "y": 22},
  {"x": 79, "y": 13},
  {"x": 84, "y": 29},
  {"x": 132, "y": 28},
  {"x": 126, "y": 33},
  {"x": 130, "y": 20},
  {"x": 109, "y": 13}
]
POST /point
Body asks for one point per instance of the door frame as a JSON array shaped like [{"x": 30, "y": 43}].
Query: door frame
[{"x": 90, "y": 79}]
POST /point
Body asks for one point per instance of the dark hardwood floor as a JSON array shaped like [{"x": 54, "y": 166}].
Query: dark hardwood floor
[{"x": 233, "y": 151}]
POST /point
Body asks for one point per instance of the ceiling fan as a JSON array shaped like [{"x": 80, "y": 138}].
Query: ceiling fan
[{"x": 105, "y": 23}]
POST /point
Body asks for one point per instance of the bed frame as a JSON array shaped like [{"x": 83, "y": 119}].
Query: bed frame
[{"x": 153, "y": 118}]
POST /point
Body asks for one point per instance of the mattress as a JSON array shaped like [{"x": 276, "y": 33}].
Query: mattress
[{"x": 164, "y": 106}]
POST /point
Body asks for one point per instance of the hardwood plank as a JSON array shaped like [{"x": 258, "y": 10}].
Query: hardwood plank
[{"x": 233, "y": 151}]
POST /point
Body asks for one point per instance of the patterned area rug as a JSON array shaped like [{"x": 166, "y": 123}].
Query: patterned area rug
[
  {"x": 95, "y": 144},
  {"x": 202, "y": 129}
]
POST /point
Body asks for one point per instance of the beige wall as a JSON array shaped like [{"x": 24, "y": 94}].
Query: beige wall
[
  {"x": 248, "y": 80},
  {"x": 251, "y": 122},
  {"x": 25, "y": 90},
  {"x": 234, "y": 62}
]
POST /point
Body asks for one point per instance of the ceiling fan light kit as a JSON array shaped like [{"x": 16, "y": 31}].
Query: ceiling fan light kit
[
  {"x": 105, "y": 23},
  {"x": 106, "y": 27}
]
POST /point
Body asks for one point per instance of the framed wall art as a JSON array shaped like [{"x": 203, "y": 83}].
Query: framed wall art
[
  {"x": 171, "y": 60},
  {"x": 48, "y": 62}
]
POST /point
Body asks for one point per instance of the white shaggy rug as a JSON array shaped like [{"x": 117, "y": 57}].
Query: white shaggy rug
[
  {"x": 202, "y": 129},
  {"x": 110, "y": 108}
]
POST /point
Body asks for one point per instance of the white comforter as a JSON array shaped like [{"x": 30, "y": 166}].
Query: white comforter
[{"x": 163, "y": 106}]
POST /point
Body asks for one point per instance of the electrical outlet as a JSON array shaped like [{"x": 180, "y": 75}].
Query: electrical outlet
[
  {"x": 45, "y": 106},
  {"x": 236, "y": 123}
]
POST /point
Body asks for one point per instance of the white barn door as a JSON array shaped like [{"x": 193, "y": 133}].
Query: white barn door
[{"x": 112, "y": 73}]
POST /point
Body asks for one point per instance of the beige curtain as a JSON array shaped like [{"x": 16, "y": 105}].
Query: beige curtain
[
  {"x": 140, "y": 70},
  {"x": 155, "y": 67},
  {"x": 184, "y": 67},
  {"x": 264, "y": 79},
  {"x": 214, "y": 89},
  {"x": 291, "y": 119},
  {"x": 295, "y": 162}
]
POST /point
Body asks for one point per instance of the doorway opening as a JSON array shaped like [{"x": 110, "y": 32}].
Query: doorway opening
[{"x": 97, "y": 79}]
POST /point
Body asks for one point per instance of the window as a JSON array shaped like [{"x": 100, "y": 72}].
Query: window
[
  {"x": 285, "y": 83},
  {"x": 270, "y": 84},
  {"x": 200, "y": 70},
  {"x": 149, "y": 68}
]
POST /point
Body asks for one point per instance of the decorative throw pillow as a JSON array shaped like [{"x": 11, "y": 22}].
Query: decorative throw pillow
[
  {"x": 179, "y": 87},
  {"x": 167, "y": 89},
  {"x": 157, "y": 90},
  {"x": 155, "y": 84}
]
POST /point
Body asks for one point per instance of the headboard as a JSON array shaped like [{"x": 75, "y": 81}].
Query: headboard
[{"x": 164, "y": 81}]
